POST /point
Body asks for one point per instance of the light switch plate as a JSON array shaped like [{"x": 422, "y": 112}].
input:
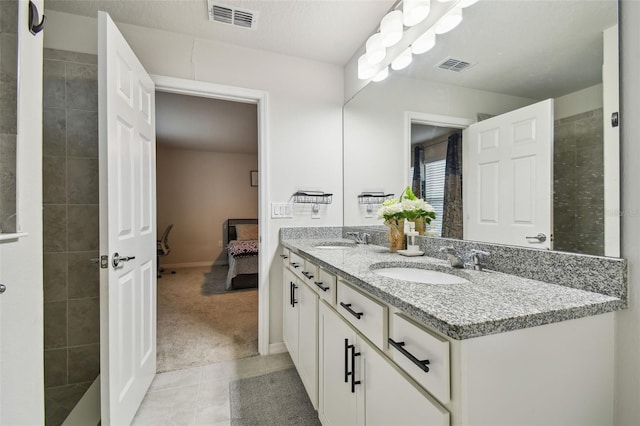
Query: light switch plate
[{"x": 281, "y": 210}]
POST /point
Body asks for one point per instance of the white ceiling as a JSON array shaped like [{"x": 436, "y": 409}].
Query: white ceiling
[
  {"x": 323, "y": 30},
  {"x": 204, "y": 124}
]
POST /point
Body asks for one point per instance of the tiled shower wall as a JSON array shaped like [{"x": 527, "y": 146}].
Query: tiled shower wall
[
  {"x": 71, "y": 230},
  {"x": 579, "y": 184},
  {"x": 8, "y": 109}
]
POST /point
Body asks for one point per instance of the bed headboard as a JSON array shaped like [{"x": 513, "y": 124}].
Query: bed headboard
[{"x": 231, "y": 227}]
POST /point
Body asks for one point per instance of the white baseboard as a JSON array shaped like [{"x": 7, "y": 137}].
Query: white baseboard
[
  {"x": 87, "y": 410},
  {"x": 277, "y": 348},
  {"x": 192, "y": 264}
]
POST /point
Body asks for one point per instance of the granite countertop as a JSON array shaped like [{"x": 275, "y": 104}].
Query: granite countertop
[{"x": 492, "y": 302}]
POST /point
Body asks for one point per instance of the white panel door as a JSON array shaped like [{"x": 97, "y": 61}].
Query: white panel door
[
  {"x": 291, "y": 304},
  {"x": 508, "y": 170},
  {"x": 308, "y": 341},
  {"x": 127, "y": 226}
]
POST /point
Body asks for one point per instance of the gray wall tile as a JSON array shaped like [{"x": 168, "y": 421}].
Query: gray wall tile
[
  {"x": 84, "y": 277},
  {"x": 55, "y": 367},
  {"x": 55, "y": 276},
  {"x": 9, "y": 16},
  {"x": 53, "y": 84},
  {"x": 82, "y": 178},
  {"x": 85, "y": 361},
  {"x": 54, "y": 180},
  {"x": 8, "y": 104},
  {"x": 82, "y": 86},
  {"x": 54, "y": 127},
  {"x": 82, "y": 133},
  {"x": 7, "y": 183},
  {"x": 55, "y": 324},
  {"x": 84, "y": 230},
  {"x": 54, "y": 227},
  {"x": 84, "y": 321},
  {"x": 67, "y": 56}
]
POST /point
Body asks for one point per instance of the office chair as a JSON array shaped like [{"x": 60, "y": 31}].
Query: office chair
[{"x": 163, "y": 249}]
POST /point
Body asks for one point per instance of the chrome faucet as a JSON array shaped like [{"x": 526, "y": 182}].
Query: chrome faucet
[
  {"x": 476, "y": 257},
  {"x": 454, "y": 259},
  {"x": 360, "y": 237}
]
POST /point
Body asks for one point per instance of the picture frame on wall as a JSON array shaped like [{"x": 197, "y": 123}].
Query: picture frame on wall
[{"x": 254, "y": 177}]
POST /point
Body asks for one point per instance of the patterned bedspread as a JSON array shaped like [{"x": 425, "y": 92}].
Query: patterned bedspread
[{"x": 243, "y": 248}]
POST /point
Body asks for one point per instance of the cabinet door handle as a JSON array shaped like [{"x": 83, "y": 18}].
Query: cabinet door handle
[
  {"x": 346, "y": 360},
  {"x": 347, "y": 306},
  {"x": 293, "y": 294},
  {"x": 354, "y": 382},
  {"x": 400, "y": 346},
  {"x": 319, "y": 284}
]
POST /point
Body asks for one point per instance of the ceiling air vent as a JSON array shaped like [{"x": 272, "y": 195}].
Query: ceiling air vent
[
  {"x": 232, "y": 16},
  {"x": 451, "y": 64}
]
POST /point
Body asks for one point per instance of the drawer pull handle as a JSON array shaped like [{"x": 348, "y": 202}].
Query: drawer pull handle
[
  {"x": 347, "y": 306},
  {"x": 295, "y": 265},
  {"x": 399, "y": 346},
  {"x": 307, "y": 274},
  {"x": 319, "y": 284},
  {"x": 284, "y": 256}
]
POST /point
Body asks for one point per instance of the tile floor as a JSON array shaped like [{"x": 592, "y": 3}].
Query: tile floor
[{"x": 200, "y": 395}]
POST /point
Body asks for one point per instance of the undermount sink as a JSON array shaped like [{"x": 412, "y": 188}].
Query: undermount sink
[
  {"x": 335, "y": 245},
  {"x": 419, "y": 275}
]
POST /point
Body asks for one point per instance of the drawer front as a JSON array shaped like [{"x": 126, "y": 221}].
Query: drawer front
[
  {"x": 325, "y": 285},
  {"x": 367, "y": 315},
  {"x": 309, "y": 273},
  {"x": 296, "y": 264},
  {"x": 413, "y": 344},
  {"x": 284, "y": 255}
]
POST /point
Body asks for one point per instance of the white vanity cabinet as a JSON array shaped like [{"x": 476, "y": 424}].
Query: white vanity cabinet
[
  {"x": 360, "y": 386},
  {"x": 300, "y": 330}
]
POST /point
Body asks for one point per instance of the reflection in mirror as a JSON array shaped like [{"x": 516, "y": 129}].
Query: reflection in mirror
[
  {"x": 8, "y": 113},
  {"x": 520, "y": 53}
]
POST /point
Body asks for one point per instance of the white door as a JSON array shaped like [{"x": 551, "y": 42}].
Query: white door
[
  {"x": 291, "y": 305},
  {"x": 507, "y": 170},
  {"x": 127, "y": 226},
  {"x": 308, "y": 341}
]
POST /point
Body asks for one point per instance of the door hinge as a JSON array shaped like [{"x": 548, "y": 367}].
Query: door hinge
[{"x": 104, "y": 262}]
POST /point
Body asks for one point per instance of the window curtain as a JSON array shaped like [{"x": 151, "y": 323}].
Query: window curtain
[
  {"x": 452, "y": 216},
  {"x": 417, "y": 179}
]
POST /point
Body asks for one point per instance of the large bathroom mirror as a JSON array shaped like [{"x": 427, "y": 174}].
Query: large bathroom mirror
[
  {"x": 503, "y": 56},
  {"x": 8, "y": 114}
]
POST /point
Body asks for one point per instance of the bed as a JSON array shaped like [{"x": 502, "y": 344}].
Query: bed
[{"x": 242, "y": 250}]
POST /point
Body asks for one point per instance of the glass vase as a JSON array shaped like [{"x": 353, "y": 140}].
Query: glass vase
[{"x": 396, "y": 234}]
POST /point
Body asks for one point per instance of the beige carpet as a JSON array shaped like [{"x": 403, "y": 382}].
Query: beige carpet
[{"x": 196, "y": 329}]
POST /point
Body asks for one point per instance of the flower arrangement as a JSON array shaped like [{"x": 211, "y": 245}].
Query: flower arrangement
[{"x": 408, "y": 206}]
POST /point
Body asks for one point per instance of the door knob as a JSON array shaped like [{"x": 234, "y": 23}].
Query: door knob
[
  {"x": 540, "y": 237},
  {"x": 3, "y": 288},
  {"x": 117, "y": 259}
]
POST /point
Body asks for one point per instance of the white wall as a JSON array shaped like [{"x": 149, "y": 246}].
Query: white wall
[
  {"x": 376, "y": 154},
  {"x": 304, "y": 113},
  {"x": 627, "y": 409},
  {"x": 21, "y": 307},
  {"x": 578, "y": 102},
  {"x": 197, "y": 192}
]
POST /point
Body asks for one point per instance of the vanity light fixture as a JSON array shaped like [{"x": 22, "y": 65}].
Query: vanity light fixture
[
  {"x": 375, "y": 50},
  {"x": 391, "y": 31},
  {"x": 449, "y": 21},
  {"x": 415, "y": 11},
  {"x": 384, "y": 73},
  {"x": 424, "y": 43},
  {"x": 365, "y": 69},
  {"x": 403, "y": 60},
  {"x": 391, "y": 28}
]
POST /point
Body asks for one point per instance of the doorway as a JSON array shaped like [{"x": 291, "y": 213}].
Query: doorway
[{"x": 207, "y": 300}]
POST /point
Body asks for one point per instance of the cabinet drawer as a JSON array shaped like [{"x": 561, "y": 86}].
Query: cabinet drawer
[
  {"x": 325, "y": 285},
  {"x": 284, "y": 255},
  {"x": 296, "y": 264},
  {"x": 414, "y": 343},
  {"x": 366, "y": 314},
  {"x": 309, "y": 273}
]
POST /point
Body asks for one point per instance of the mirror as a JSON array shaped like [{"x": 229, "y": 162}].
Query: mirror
[
  {"x": 8, "y": 114},
  {"x": 518, "y": 53}
]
